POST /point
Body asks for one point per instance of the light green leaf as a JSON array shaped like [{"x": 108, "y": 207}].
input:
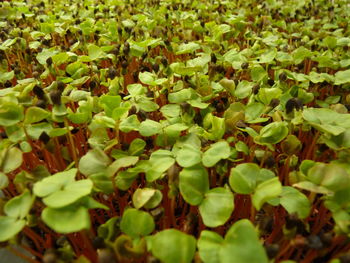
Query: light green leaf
[
  {"x": 173, "y": 246},
  {"x": 67, "y": 219},
  {"x": 136, "y": 223},
  {"x": 216, "y": 152},
  {"x": 217, "y": 207},
  {"x": 265, "y": 191},
  {"x": 193, "y": 184}
]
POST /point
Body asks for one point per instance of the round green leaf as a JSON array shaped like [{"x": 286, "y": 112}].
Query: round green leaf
[
  {"x": 209, "y": 244},
  {"x": 69, "y": 194},
  {"x": 173, "y": 246},
  {"x": 216, "y": 152},
  {"x": 193, "y": 184},
  {"x": 242, "y": 244},
  {"x": 67, "y": 219},
  {"x": 136, "y": 223},
  {"x": 19, "y": 206},
  {"x": 272, "y": 133},
  {"x": 12, "y": 160},
  {"x": 142, "y": 196},
  {"x": 217, "y": 206},
  {"x": 4, "y": 181},
  {"x": 94, "y": 161},
  {"x": 10, "y": 227},
  {"x": 295, "y": 202},
  {"x": 188, "y": 156},
  {"x": 149, "y": 128},
  {"x": 243, "y": 178},
  {"x": 35, "y": 114},
  {"x": 54, "y": 183},
  {"x": 265, "y": 191},
  {"x": 10, "y": 113}
]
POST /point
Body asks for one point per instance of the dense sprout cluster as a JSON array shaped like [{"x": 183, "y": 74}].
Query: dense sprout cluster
[{"x": 175, "y": 131}]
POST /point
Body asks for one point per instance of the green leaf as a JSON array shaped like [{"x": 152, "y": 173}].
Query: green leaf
[
  {"x": 4, "y": 181},
  {"x": 67, "y": 219},
  {"x": 94, "y": 161},
  {"x": 242, "y": 244},
  {"x": 137, "y": 223},
  {"x": 10, "y": 159},
  {"x": 193, "y": 184},
  {"x": 173, "y": 246},
  {"x": 120, "y": 163},
  {"x": 265, "y": 191},
  {"x": 10, "y": 113},
  {"x": 69, "y": 194},
  {"x": 217, "y": 206},
  {"x": 137, "y": 147},
  {"x": 188, "y": 156},
  {"x": 35, "y": 114},
  {"x": 216, "y": 152},
  {"x": 295, "y": 202},
  {"x": 187, "y": 48},
  {"x": 19, "y": 206},
  {"x": 327, "y": 120},
  {"x": 243, "y": 178},
  {"x": 10, "y": 227},
  {"x": 258, "y": 73},
  {"x": 160, "y": 161},
  {"x": 144, "y": 196},
  {"x": 149, "y": 128},
  {"x": 5, "y": 76},
  {"x": 95, "y": 52},
  {"x": 243, "y": 89},
  {"x": 209, "y": 245},
  {"x": 131, "y": 123},
  {"x": 272, "y": 133},
  {"x": 180, "y": 96},
  {"x": 54, "y": 183},
  {"x": 331, "y": 176}
]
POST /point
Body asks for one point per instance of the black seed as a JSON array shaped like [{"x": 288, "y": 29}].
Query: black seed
[
  {"x": 142, "y": 115},
  {"x": 49, "y": 61},
  {"x": 314, "y": 242},
  {"x": 44, "y": 137},
  {"x": 291, "y": 104},
  {"x": 244, "y": 65},
  {"x": 185, "y": 106},
  {"x": 55, "y": 96},
  {"x": 271, "y": 82},
  {"x": 8, "y": 84},
  {"x": 41, "y": 104},
  {"x": 38, "y": 91},
  {"x": 92, "y": 84},
  {"x": 272, "y": 250},
  {"x": 282, "y": 76},
  {"x": 326, "y": 238},
  {"x": 98, "y": 243},
  {"x": 60, "y": 86},
  {"x": 74, "y": 131},
  {"x": 125, "y": 64},
  {"x": 274, "y": 103},
  {"x": 150, "y": 94},
  {"x": 155, "y": 67},
  {"x": 3, "y": 135},
  {"x": 125, "y": 146},
  {"x": 269, "y": 161},
  {"x": 164, "y": 61},
  {"x": 112, "y": 73},
  {"x": 256, "y": 89},
  {"x": 213, "y": 58}
]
